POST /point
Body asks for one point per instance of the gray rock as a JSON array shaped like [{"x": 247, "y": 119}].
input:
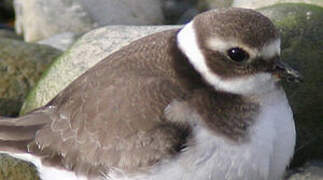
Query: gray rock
[
  {"x": 174, "y": 10},
  {"x": 188, "y": 16},
  {"x": 126, "y": 12},
  {"x": 181, "y": 12},
  {"x": 254, "y": 4},
  {"x": 9, "y": 34},
  {"x": 212, "y": 4},
  {"x": 40, "y": 19},
  {"x": 21, "y": 65},
  {"x": 311, "y": 171},
  {"x": 60, "y": 41},
  {"x": 86, "y": 52},
  {"x": 302, "y": 43}
]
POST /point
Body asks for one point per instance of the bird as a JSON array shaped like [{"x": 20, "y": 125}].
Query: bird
[{"x": 201, "y": 102}]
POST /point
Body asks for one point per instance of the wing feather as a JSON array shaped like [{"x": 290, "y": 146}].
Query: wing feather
[{"x": 113, "y": 115}]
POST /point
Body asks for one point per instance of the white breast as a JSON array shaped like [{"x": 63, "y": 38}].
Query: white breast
[
  {"x": 264, "y": 157},
  {"x": 277, "y": 110}
]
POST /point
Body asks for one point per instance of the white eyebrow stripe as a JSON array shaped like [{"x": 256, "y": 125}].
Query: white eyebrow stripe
[
  {"x": 220, "y": 45},
  {"x": 269, "y": 50}
]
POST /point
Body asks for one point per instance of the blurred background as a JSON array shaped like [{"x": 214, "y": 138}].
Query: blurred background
[
  {"x": 46, "y": 44},
  {"x": 7, "y": 14}
]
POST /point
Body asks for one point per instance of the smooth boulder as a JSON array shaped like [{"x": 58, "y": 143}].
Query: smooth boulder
[
  {"x": 212, "y": 4},
  {"x": 61, "y": 41},
  {"x": 41, "y": 19},
  {"x": 85, "y": 53},
  {"x": 21, "y": 65},
  {"x": 124, "y": 12}
]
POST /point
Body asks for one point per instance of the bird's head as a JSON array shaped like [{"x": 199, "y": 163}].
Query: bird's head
[{"x": 235, "y": 50}]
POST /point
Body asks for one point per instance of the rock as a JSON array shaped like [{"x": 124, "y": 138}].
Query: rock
[
  {"x": 86, "y": 52},
  {"x": 181, "y": 12},
  {"x": 6, "y": 26},
  {"x": 60, "y": 41},
  {"x": 9, "y": 34},
  {"x": 302, "y": 44},
  {"x": 188, "y": 16},
  {"x": 15, "y": 169},
  {"x": 311, "y": 171},
  {"x": 254, "y": 4},
  {"x": 133, "y": 12},
  {"x": 40, "y": 19},
  {"x": 213, "y": 4},
  {"x": 174, "y": 10},
  {"x": 21, "y": 65}
]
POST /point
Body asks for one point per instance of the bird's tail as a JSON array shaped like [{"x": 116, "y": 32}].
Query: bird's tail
[{"x": 16, "y": 133}]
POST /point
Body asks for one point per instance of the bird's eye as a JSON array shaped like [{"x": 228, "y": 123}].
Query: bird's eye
[{"x": 237, "y": 54}]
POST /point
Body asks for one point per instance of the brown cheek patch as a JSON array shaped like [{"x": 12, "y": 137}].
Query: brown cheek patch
[
  {"x": 224, "y": 67},
  {"x": 216, "y": 62}
]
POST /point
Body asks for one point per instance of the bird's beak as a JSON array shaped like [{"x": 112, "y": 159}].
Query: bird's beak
[{"x": 284, "y": 71}]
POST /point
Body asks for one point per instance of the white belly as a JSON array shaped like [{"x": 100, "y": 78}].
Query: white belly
[{"x": 264, "y": 157}]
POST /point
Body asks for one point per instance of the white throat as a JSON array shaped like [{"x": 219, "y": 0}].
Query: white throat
[{"x": 253, "y": 84}]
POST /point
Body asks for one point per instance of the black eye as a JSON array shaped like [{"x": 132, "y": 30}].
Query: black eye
[{"x": 238, "y": 54}]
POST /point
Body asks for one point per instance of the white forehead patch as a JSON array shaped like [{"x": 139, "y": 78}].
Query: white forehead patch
[{"x": 245, "y": 85}]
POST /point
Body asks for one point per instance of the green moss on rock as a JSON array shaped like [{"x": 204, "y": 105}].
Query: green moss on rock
[
  {"x": 302, "y": 47},
  {"x": 21, "y": 65},
  {"x": 15, "y": 169}
]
